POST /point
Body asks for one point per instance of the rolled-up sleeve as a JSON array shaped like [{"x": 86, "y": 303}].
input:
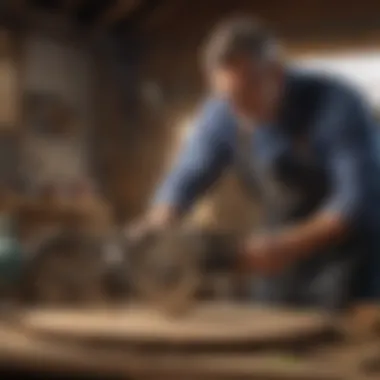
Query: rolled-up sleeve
[
  {"x": 347, "y": 126},
  {"x": 203, "y": 158}
]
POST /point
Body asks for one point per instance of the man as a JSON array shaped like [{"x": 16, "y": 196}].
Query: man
[{"x": 304, "y": 144}]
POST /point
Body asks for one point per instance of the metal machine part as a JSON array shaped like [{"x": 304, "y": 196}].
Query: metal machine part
[
  {"x": 172, "y": 269},
  {"x": 167, "y": 271},
  {"x": 65, "y": 269}
]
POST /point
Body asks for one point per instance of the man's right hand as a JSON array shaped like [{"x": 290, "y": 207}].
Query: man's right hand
[
  {"x": 157, "y": 220},
  {"x": 137, "y": 231}
]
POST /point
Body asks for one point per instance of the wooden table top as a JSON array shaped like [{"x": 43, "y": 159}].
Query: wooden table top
[
  {"x": 32, "y": 348},
  {"x": 207, "y": 323},
  {"x": 29, "y": 352}
]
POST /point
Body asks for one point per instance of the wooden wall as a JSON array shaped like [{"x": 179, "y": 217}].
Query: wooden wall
[
  {"x": 34, "y": 61},
  {"x": 9, "y": 82},
  {"x": 61, "y": 69}
]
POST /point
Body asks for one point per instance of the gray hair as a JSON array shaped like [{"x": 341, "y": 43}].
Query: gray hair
[{"x": 239, "y": 36}]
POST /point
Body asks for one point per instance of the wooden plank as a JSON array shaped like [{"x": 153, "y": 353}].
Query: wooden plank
[
  {"x": 70, "y": 6},
  {"x": 19, "y": 5},
  {"x": 206, "y": 324},
  {"x": 352, "y": 358},
  {"x": 9, "y": 100},
  {"x": 235, "y": 366},
  {"x": 116, "y": 13},
  {"x": 31, "y": 353},
  {"x": 164, "y": 13}
]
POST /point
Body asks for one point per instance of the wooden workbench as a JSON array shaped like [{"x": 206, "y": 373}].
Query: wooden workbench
[
  {"x": 208, "y": 324},
  {"x": 76, "y": 342}
]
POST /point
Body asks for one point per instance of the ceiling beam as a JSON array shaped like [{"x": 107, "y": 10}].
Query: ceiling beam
[
  {"x": 70, "y": 6},
  {"x": 17, "y": 5},
  {"x": 162, "y": 14},
  {"x": 14, "y": 13},
  {"x": 116, "y": 13}
]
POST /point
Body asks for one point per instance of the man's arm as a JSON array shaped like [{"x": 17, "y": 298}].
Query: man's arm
[
  {"x": 344, "y": 121},
  {"x": 205, "y": 155}
]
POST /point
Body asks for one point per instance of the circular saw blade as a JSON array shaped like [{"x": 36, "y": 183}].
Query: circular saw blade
[{"x": 167, "y": 274}]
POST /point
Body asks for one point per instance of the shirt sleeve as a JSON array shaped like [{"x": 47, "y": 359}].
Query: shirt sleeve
[
  {"x": 203, "y": 158},
  {"x": 347, "y": 125}
]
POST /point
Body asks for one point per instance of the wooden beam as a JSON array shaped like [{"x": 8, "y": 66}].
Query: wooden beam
[
  {"x": 341, "y": 43},
  {"x": 116, "y": 13},
  {"x": 70, "y": 6},
  {"x": 28, "y": 351},
  {"x": 19, "y": 6},
  {"x": 15, "y": 13},
  {"x": 163, "y": 14}
]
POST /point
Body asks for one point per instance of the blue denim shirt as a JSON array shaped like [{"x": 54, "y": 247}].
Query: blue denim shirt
[{"x": 320, "y": 154}]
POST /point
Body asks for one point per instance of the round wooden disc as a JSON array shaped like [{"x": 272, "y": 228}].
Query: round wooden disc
[{"x": 206, "y": 324}]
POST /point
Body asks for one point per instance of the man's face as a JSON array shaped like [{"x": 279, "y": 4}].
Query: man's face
[{"x": 251, "y": 87}]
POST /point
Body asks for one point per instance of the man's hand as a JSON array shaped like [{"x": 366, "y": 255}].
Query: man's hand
[
  {"x": 264, "y": 254},
  {"x": 273, "y": 252},
  {"x": 158, "y": 219},
  {"x": 137, "y": 230},
  {"x": 227, "y": 252}
]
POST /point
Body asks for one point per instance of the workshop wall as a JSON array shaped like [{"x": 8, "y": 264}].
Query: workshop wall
[{"x": 58, "y": 69}]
